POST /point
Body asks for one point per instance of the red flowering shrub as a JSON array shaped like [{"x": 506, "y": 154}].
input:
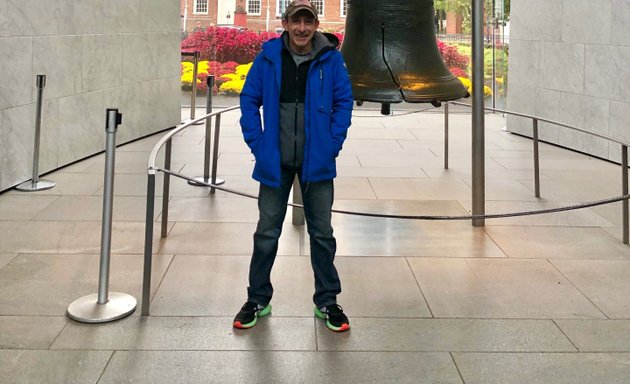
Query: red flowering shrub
[
  {"x": 453, "y": 58},
  {"x": 458, "y": 72},
  {"x": 227, "y": 44}
]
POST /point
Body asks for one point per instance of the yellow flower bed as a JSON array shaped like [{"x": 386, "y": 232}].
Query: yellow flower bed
[
  {"x": 487, "y": 91},
  {"x": 236, "y": 80}
]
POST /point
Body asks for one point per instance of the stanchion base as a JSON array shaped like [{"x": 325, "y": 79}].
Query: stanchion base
[
  {"x": 87, "y": 309},
  {"x": 29, "y": 186},
  {"x": 202, "y": 179}
]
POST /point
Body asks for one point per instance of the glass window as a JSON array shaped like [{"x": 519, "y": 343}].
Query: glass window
[
  {"x": 344, "y": 7},
  {"x": 201, "y": 7},
  {"x": 281, "y": 5},
  {"x": 319, "y": 4},
  {"x": 254, "y": 7}
]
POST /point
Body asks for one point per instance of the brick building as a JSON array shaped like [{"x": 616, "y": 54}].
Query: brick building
[{"x": 256, "y": 15}]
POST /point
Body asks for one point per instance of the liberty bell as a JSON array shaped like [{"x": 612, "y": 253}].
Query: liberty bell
[{"x": 391, "y": 52}]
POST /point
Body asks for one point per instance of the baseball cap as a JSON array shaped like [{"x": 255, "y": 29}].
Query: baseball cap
[{"x": 297, "y": 5}]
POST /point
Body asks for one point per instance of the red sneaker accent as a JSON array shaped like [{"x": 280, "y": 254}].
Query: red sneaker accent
[
  {"x": 237, "y": 324},
  {"x": 344, "y": 327}
]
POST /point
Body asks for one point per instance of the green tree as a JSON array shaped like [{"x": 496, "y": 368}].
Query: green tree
[{"x": 464, "y": 9}]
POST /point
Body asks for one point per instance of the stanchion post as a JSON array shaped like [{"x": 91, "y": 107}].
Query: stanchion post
[
  {"x": 202, "y": 180},
  {"x": 536, "y": 158},
  {"x": 446, "y": 135},
  {"x": 103, "y": 306},
  {"x": 193, "y": 94},
  {"x": 624, "y": 186},
  {"x": 166, "y": 189},
  {"x": 35, "y": 184},
  {"x": 297, "y": 213},
  {"x": 148, "y": 244}
]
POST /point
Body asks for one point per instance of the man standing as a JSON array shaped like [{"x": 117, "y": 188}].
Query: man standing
[{"x": 301, "y": 82}]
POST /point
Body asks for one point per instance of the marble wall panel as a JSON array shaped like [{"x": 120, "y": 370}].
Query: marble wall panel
[
  {"x": 621, "y": 22},
  {"x": 620, "y": 120},
  {"x": 122, "y": 16},
  {"x": 169, "y": 60},
  {"x": 586, "y": 21},
  {"x": 601, "y": 72},
  {"x": 16, "y": 82},
  {"x": 160, "y": 15},
  {"x": 562, "y": 67},
  {"x": 59, "y": 58},
  {"x": 82, "y": 120},
  {"x": 101, "y": 61},
  {"x": 524, "y": 61},
  {"x": 16, "y": 154},
  {"x": 133, "y": 118},
  {"x": 536, "y": 20},
  {"x": 140, "y": 56},
  {"x": 89, "y": 16},
  {"x": 587, "y": 113},
  {"x": 42, "y": 18},
  {"x": 548, "y": 106},
  {"x": 96, "y": 54}
]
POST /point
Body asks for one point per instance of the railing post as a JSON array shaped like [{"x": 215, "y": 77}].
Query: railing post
[
  {"x": 215, "y": 154},
  {"x": 446, "y": 135},
  {"x": 148, "y": 244},
  {"x": 106, "y": 307},
  {"x": 297, "y": 213},
  {"x": 624, "y": 187},
  {"x": 35, "y": 184},
  {"x": 536, "y": 159},
  {"x": 166, "y": 188},
  {"x": 193, "y": 95},
  {"x": 202, "y": 180}
]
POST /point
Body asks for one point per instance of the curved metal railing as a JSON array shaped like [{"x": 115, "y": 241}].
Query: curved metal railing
[{"x": 211, "y": 182}]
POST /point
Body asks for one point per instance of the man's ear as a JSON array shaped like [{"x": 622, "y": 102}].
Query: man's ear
[{"x": 285, "y": 23}]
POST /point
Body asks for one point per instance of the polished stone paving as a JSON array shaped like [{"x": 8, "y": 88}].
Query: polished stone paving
[{"x": 532, "y": 299}]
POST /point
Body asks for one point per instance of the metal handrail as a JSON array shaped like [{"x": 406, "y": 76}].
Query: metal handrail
[{"x": 167, "y": 141}]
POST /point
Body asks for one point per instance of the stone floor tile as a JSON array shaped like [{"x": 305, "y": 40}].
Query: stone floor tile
[
  {"x": 572, "y": 218},
  {"x": 556, "y": 368},
  {"x": 557, "y": 243},
  {"x": 281, "y": 367},
  {"x": 214, "y": 208},
  {"x": 224, "y": 239},
  {"x": 29, "y": 332},
  {"x": 395, "y": 295},
  {"x": 44, "y": 284},
  {"x": 419, "y": 189},
  {"x": 598, "y": 335},
  {"x": 499, "y": 288},
  {"x": 89, "y": 208},
  {"x": 24, "y": 206},
  {"x": 353, "y": 188},
  {"x": 604, "y": 282},
  {"x": 52, "y": 367},
  {"x": 72, "y": 237},
  {"x": 6, "y": 258},
  {"x": 367, "y": 236},
  {"x": 189, "y": 333},
  {"x": 445, "y": 335}
]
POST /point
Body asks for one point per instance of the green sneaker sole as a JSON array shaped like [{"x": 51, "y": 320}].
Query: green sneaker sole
[
  {"x": 319, "y": 314},
  {"x": 264, "y": 312}
]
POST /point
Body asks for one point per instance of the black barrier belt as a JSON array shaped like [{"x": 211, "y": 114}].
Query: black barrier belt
[{"x": 423, "y": 217}]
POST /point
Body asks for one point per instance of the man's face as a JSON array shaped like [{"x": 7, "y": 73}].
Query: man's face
[{"x": 301, "y": 28}]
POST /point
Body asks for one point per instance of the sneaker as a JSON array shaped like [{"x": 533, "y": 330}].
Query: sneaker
[
  {"x": 334, "y": 316},
  {"x": 249, "y": 314}
]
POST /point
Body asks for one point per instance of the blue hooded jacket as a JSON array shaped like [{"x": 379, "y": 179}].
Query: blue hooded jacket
[{"x": 327, "y": 114}]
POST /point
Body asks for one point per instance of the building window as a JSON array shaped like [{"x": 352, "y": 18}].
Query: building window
[
  {"x": 344, "y": 8},
  {"x": 319, "y": 4},
  {"x": 201, "y": 7},
  {"x": 253, "y": 7},
  {"x": 282, "y": 5}
]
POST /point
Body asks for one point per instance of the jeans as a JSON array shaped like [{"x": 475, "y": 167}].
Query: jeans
[{"x": 272, "y": 207}]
